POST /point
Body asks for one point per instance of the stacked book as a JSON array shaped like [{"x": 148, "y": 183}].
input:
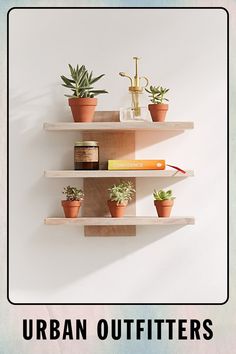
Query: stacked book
[
  {"x": 119, "y": 165},
  {"x": 136, "y": 164}
]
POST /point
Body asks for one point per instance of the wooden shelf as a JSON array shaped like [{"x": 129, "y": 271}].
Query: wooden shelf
[
  {"x": 118, "y": 126},
  {"x": 106, "y": 173},
  {"x": 128, "y": 220},
  {"x": 120, "y": 144}
]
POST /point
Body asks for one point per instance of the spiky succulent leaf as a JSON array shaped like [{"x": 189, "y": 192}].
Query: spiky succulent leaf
[
  {"x": 81, "y": 82},
  {"x": 95, "y": 79},
  {"x": 66, "y": 80},
  {"x": 98, "y": 92}
]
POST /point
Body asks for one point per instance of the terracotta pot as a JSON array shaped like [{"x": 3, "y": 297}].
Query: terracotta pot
[
  {"x": 164, "y": 207},
  {"x": 82, "y": 108},
  {"x": 71, "y": 208},
  {"x": 116, "y": 210},
  {"x": 158, "y": 111}
]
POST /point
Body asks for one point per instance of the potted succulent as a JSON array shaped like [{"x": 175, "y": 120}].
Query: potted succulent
[
  {"x": 119, "y": 196},
  {"x": 163, "y": 202},
  {"x": 157, "y": 108},
  {"x": 73, "y": 200},
  {"x": 82, "y": 100}
]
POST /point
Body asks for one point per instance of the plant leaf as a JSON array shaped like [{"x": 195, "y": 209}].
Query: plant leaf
[{"x": 96, "y": 78}]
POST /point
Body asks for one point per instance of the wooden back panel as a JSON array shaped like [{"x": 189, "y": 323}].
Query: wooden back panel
[{"x": 112, "y": 145}]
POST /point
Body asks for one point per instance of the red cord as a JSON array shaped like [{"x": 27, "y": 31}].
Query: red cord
[{"x": 177, "y": 168}]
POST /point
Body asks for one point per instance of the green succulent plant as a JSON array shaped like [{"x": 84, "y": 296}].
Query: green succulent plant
[
  {"x": 157, "y": 94},
  {"x": 122, "y": 192},
  {"x": 81, "y": 82},
  {"x": 162, "y": 195},
  {"x": 73, "y": 193}
]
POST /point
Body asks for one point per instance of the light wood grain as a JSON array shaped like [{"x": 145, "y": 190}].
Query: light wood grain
[
  {"x": 95, "y": 205},
  {"x": 107, "y": 116},
  {"x": 129, "y": 220},
  {"x": 119, "y": 126},
  {"x": 119, "y": 174},
  {"x": 115, "y": 145},
  {"x": 118, "y": 144}
]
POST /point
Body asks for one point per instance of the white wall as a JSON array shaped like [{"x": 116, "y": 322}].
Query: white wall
[{"x": 184, "y": 50}]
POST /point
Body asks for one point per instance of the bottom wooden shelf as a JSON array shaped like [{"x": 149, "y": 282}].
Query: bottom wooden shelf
[{"x": 128, "y": 220}]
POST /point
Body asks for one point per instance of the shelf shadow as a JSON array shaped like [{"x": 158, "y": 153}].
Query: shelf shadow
[
  {"x": 60, "y": 256},
  {"x": 154, "y": 137}
]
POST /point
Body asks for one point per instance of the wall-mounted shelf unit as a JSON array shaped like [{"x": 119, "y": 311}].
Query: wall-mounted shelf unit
[
  {"x": 119, "y": 174},
  {"x": 128, "y": 220},
  {"x": 119, "y": 126},
  {"x": 116, "y": 141}
]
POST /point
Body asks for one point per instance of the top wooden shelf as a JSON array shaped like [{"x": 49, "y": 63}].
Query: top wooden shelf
[{"x": 118, "y": 126}]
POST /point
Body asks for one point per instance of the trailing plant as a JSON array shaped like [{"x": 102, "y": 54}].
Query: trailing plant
[
  {"x": 81, "y": 82},
  {"x": 122, "y": 192},
  {"x": 73, "y": 193},
  {"x": 162, "y": 195},
  {"x": 157, "y": 94}
]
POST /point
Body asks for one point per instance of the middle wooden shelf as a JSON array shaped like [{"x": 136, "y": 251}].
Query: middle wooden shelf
[{"x": 106, "y": 173}]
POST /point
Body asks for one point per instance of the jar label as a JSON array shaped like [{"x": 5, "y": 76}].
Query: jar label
[{"x": 86, "y": 154}]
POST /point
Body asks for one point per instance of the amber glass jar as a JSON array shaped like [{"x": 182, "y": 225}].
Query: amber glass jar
[{"x": 86, "y": 155}]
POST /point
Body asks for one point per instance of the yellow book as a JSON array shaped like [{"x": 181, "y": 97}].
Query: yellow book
[{"x": 136, "y": 164}]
